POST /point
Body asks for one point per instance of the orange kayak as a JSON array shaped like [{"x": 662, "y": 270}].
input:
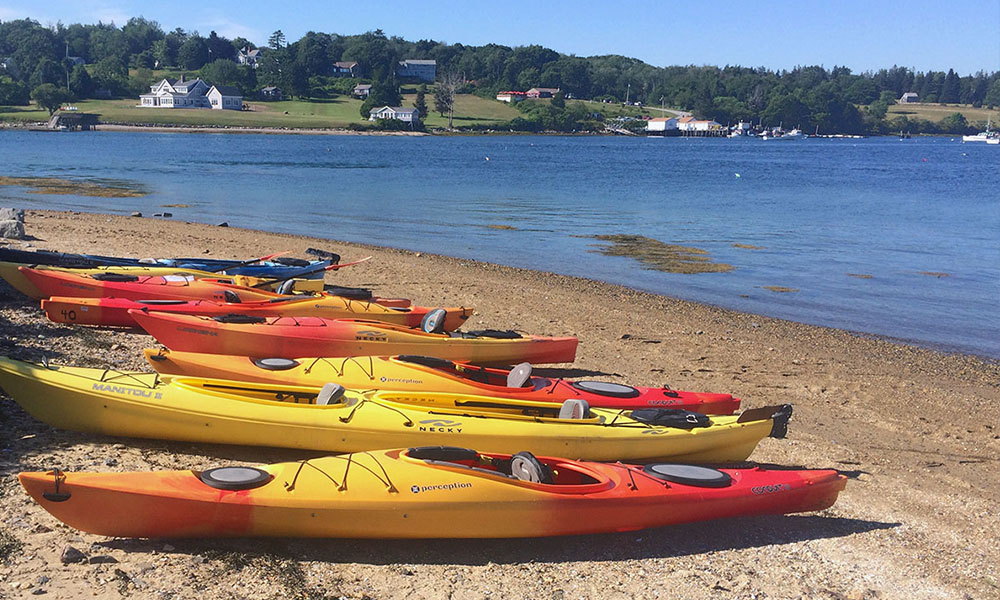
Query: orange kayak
[
  {"x": 296, "y": 337},
  {"x": 50, "y": 282},
  {"x": 113, "y": 312},
  {"x": 430, "y": 492},
  {"x": 423, "y": 374}
]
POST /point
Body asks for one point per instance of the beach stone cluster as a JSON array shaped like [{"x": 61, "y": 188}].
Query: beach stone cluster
[{"x": 12, "y": 223}]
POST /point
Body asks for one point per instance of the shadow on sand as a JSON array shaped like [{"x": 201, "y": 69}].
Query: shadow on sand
[{"x": 665, "y": 542}]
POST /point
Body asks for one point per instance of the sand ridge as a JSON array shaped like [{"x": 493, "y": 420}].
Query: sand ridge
[{"x": 916, "y": 430}]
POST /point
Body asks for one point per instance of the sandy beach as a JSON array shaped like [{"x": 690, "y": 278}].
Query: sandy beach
[{"x": 917, "y": 432}]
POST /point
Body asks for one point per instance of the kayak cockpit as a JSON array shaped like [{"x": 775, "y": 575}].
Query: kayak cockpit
[{"x": 522, "y": 468}]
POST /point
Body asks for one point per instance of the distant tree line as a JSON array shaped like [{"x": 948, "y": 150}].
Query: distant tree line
[{"x": 808, "y": 97}]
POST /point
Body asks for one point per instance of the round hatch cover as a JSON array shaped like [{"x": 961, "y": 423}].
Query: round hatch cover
[
  {"x": 606, "y": 388},
  {"x": 688, "y": 475},
  {"x": 235, "y": 478},
  {"x": 276, "y": 363}
]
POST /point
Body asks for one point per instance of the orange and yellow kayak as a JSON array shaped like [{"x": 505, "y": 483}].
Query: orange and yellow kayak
[
  {"x": 296, "y": 337},
  {"x": 113, "y": 312},
  {"x": 422, "y": 373},
  {"x": 429, "y": 492}
]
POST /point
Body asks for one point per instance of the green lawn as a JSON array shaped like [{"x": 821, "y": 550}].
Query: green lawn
[
  {"x": 469, "y": 110},
  {"x": 295, "y": 114},
  {"x": 936, "y": 112}
]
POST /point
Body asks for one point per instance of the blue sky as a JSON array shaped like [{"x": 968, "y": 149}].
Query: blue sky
[{"x": 780, "y": 34}]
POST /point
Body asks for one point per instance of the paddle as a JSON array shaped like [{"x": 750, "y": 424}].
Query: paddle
[
  {"x": 271, "y": 282},
  {"x": 250, "y": 262}
]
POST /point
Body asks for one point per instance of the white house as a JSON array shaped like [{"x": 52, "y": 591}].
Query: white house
[
  {"x": 541, "y": 92},
  {"x": 909, "y": 97},
  {"x": 246, "y": 56},
  {"x": 192, "y": 93},
  {"x": 706, "y": 126},
  {"x": 424, "y": 70},
  {"x": 362, "y": 90},
  {"x": 692, "y": 124},
  {"x": 225, "y": 97},
  {"x": 407, "y": 115},
  {"x": 662, "y": 124}
]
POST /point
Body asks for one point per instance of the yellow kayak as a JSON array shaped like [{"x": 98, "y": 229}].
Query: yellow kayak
[
  {"x": 330, "y": 419},
  {"x": 9, "y": 272}
]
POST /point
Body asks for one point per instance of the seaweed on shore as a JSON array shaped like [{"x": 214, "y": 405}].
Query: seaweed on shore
[
  {"x": 8, "y": 544},
  {"x": 660, "y": 256},
  {"x": 103, "y": 188}
]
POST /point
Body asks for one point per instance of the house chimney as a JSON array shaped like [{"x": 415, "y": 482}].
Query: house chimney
[{"x": 181, "y": 79}]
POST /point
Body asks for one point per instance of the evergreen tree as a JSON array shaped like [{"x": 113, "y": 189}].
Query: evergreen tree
[
  {"x": 277, "y": 40},
  {"x": 80, "y": 82},
  {"x": 421, "y": 102},
  {"x": 950, "y": 88}
]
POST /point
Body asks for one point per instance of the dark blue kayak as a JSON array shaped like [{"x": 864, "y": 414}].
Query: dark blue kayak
[{"x": 278, "y": 268}]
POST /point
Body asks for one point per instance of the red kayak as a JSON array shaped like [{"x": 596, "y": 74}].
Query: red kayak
[
  {"x": 113, "y": 312},
  {"x": 426, "y": 374},
  {"x": 297, "y": 337},
  {"x": 52, "y": 282}
]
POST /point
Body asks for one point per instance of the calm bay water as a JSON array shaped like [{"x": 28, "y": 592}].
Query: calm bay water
[{"x": 820, "y": 209}]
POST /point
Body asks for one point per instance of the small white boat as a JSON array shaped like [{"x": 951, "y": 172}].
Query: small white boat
[
  {"x": 990, "y": 137},
  {"x": 777, "y": 134}
]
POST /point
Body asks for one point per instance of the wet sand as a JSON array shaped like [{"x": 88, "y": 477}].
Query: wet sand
[{"x": 917, "y": 432}]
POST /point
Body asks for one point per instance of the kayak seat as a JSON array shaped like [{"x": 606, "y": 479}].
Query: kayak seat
[
  {"x": 231, "y": 297},
  {"x": 519, "y": 376},
  {"x": 330, "y": 393},
  {"x": 574, "y": 408},
  {"x": 287, "y": 287},
  {"x": 526, "y": 467}
]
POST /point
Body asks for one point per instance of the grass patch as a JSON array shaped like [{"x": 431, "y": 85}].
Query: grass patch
[
  {"x": 936, "y": 112},
  {"x": 780, "y": 289},
  {"x": 336, "y": 113},
  {"x": 749, "y": 247},
  {"x": 469, "y": 110},
  {"x": 860, "y": 275},
  {"x": 103, "y": 188},
  {"x": 660, "y": 256}
]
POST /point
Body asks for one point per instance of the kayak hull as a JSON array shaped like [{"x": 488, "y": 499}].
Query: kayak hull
[
  {"x": 388, "y": 494},
  {"x": 289, "y": 337},
  {"x": 431, "y": 375}
]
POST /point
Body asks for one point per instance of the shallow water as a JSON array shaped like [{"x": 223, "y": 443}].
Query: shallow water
[{"x": 819, "y": 209}]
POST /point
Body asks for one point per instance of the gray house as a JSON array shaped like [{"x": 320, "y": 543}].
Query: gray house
[{"x": 424, "y": 70}]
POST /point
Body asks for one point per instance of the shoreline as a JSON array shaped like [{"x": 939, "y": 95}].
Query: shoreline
[
  {"x": 942, "y": 348},
  {"x": 913, "y": 428},
  {"x": 133, "y": 127}
]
